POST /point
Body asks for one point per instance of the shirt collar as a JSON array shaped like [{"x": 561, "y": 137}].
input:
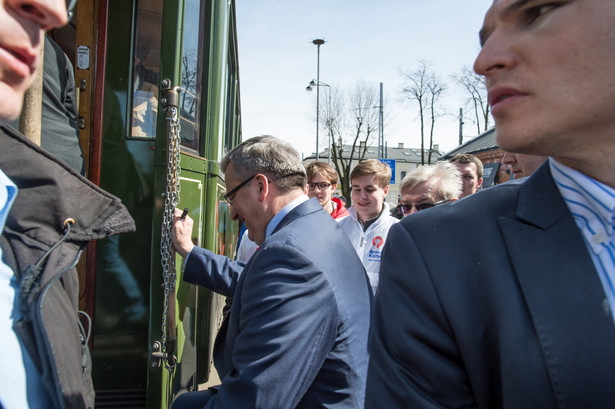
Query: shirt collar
[
  {"x": 591, "y": 203},
  {"x": 273, "y": 223},
  {"x": 8, "y": 191}
]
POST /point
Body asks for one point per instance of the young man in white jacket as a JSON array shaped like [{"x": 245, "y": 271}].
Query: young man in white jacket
[{"x": 370, "y": 217}]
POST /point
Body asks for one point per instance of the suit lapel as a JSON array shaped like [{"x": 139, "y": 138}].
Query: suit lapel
[{"x": 563, "y": 293}]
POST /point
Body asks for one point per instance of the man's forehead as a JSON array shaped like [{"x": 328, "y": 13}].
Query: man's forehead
[
  {"x": 318, "y": 176},
  {"x": 465, "y": 165},
  {"x": 367, "y": 180},
  {"x": 424, "y": 188},
  {"x": 229, "y": 174},
  {"x": 417, "y": 197},
  {"x": 366, "y": 185}
]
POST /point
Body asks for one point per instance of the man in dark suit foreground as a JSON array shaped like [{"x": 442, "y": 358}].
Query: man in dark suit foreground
[
  {"x": 504, "y": 299},
  {"x": 296, "y": 334}
]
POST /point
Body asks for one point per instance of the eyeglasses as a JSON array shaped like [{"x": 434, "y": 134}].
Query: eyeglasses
[
  {"x": 229, "y": 196},
  {"x": 407, "y": 208},
  {"x": 321, "y": 185},
  {"x": 70, "y": 7}
]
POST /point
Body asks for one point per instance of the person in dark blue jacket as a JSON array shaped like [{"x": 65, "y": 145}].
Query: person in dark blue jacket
[{"x": 296, "y": 334}]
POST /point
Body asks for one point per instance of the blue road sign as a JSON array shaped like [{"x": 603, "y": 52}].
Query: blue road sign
[{"x": 391, "y": 163}]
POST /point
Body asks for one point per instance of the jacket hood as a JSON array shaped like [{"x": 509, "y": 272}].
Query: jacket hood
[{"x": 47, "y": 192}]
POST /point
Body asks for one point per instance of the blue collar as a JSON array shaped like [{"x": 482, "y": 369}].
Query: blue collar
[
  {"x": 273, "y": 223},
  {"x": 8, "y": 191}
]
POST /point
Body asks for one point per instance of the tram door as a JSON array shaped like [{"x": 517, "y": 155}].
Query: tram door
[
  {"x": 166, "y": 99},
  {"x": 185, "y": 318}
]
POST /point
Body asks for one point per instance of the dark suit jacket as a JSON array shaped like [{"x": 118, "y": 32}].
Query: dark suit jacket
[
  {"x": 492, "y": 302},
  {"x": 297, "y": 329}
]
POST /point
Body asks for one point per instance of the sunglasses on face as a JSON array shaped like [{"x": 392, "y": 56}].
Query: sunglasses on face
[{"x": 407, "y": 208}]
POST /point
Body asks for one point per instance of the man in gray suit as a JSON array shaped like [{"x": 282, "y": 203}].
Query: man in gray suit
[
  {"x": 504, "y": 299},
  {"x": 296, "y": 334}
]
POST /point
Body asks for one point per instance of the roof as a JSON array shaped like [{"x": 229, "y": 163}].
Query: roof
[
  {"x": 483, "y": 142},
  {"x": 399, "y": 153}
]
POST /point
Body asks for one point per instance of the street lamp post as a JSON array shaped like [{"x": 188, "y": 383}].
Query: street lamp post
[
  {"x": 317, "y": 84},
  {"x": 318, "y": 42}
]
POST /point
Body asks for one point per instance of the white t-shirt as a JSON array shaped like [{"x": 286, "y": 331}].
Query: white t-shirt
[{"x": 246, "y": 248}]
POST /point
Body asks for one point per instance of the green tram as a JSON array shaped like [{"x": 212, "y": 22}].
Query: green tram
[{"x": 158, "y": 93}]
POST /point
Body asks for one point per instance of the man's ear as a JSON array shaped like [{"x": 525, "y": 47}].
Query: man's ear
[
  {"x": 480, "y": 183},
  {"x": 263, "y": 186},
  {"x": 386, "y": 189}
]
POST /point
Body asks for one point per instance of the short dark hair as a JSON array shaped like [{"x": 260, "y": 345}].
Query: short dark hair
[{"x": 469, "y": 158}]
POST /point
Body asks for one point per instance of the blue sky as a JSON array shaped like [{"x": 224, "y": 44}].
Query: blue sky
[{"x": 366, "y": 40}]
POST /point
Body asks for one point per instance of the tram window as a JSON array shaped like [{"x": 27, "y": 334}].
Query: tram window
[
  {"x": 146, "y": 69},
  {"x": 191, "y": 70}
]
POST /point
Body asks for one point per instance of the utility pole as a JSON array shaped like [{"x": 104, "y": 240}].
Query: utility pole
[
  {"x": 381, "y": 124},
  {"x": 460, "y": 126},
  {"x": 318, "y": 42}
]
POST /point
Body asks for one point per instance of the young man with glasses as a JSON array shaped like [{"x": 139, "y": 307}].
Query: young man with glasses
[
  {"x": 322, "y": 182},
  {"x": 296, "y": 334},
  {"x": 428, "y": 186},
  {"x": 370, "y": 217}
]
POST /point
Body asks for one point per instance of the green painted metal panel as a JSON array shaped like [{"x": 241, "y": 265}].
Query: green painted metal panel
[{"x": 129, "y": 294}]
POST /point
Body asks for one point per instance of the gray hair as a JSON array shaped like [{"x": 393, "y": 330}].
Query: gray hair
[
  {"x": 270, "y": 156},
  {"x": 448, "y": 178}
]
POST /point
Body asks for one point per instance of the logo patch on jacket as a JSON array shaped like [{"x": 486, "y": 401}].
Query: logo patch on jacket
[{"x": 375, "y": 254}]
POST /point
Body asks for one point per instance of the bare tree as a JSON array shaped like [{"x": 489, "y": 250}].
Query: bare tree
[
  {"x": 425, "y": 89},
  {"x": 189, "y": 83},
  {"x": 474, "y": 85},
  {"x": 350, "y": 119},
  {"x": 435, "y": 90}
]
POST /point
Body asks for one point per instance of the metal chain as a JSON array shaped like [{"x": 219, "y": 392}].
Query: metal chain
[{"x": 171, "y": 199}]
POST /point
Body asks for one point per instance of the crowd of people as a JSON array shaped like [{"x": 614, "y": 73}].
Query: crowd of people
[
  {"x": 498, "y": 299},
  {"x": 298, "y": 257}
]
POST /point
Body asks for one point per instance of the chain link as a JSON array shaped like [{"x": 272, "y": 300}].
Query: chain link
[{"x": 171, "y": 200}]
